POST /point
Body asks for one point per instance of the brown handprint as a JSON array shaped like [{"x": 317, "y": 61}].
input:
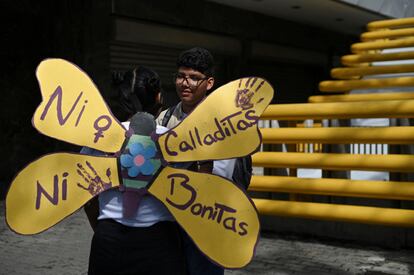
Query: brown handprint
[
  {"x": 244, "y": 95},
  {"x": 95, "y": 182}
]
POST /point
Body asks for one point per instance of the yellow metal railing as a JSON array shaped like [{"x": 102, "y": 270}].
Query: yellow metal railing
[
  {"x": 339, "y": 135},
  {"x": 347, "y": 85},
  {"x": 391, "y": 24},
  {"x": 364, "y": 58},
  {"x": 341, "y": 110},
  {"x": 380, "y": 45},
  {"x": 381, "y": 35},
  {"x": 346, "y": 73},
  {"x": 331, "y": 161},
  {"x": 394, "y": 190},
  {"x": 304, "y": 146},
  {"x": 390, "y": 34},
  {"x": 361, "y": 97},
  {"x": 337, "y": 212}
]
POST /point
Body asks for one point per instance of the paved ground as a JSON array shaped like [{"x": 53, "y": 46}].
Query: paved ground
[{"x": 64, "y": 249}]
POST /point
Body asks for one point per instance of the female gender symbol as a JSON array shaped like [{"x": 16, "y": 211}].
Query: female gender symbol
[{"x": 101, "y": 129}]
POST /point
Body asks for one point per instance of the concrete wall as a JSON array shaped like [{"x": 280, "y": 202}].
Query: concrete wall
[
  {"x": 74, "y": 30},
  {"x": 293, "y": 57}
]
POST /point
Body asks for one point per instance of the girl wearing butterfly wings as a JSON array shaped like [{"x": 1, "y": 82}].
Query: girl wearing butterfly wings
[{"x": 145, "y": 241}]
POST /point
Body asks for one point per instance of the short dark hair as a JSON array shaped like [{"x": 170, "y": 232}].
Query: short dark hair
[
  {"x": 136, "y": 91},
  {"x": 198, "y": 59}
]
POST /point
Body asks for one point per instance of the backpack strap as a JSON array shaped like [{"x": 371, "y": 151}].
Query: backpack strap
[{"x": 167, "y": 116}]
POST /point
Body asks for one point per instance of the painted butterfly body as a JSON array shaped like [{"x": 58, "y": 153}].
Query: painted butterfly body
[
  {"x": 220, "y": 218},
  {"x": 139, "y": 161}
]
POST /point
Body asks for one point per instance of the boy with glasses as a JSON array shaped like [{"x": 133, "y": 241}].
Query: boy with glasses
[{"x": 194, "y": 78}]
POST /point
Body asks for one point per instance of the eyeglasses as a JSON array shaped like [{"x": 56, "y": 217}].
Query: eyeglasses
[{"x": 192, "y": 81}]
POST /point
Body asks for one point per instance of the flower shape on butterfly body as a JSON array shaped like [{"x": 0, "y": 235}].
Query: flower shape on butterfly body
[{"x": 137, "y": 159}]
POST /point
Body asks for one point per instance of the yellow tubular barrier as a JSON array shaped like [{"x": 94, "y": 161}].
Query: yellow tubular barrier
[
  {"x": 331, "y": 161},
  {"x": 346, "y": 213},
  {"x": 373, "y": 57},
  {"x": 361, "y": 97},
  {"x": 393, "y": 23},
  {"x": 366, "y": 36},
  {"x": 393, "y": 190},
  {"x": 345, "y": 73},
  {"x": 379, "y": 45},
  {"x": 340, "y": 135},
  {"x": 374, "y": 109},
  {"x": 386, "y": 34},
  {"x": 347, "y": 85}
]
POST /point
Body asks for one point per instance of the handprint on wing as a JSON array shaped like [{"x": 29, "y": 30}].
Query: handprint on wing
[
  {"x": 244, "y": 95},
  {"x": 95, "y": 183}
]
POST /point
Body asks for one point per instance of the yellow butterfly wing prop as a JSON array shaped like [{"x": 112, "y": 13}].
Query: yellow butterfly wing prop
[
  {"x": 223, "y": 126},
  {"x": 219, "y": 217},
  {"x": 73, "y": 110},
  {"x": 54, "y": 186}
]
